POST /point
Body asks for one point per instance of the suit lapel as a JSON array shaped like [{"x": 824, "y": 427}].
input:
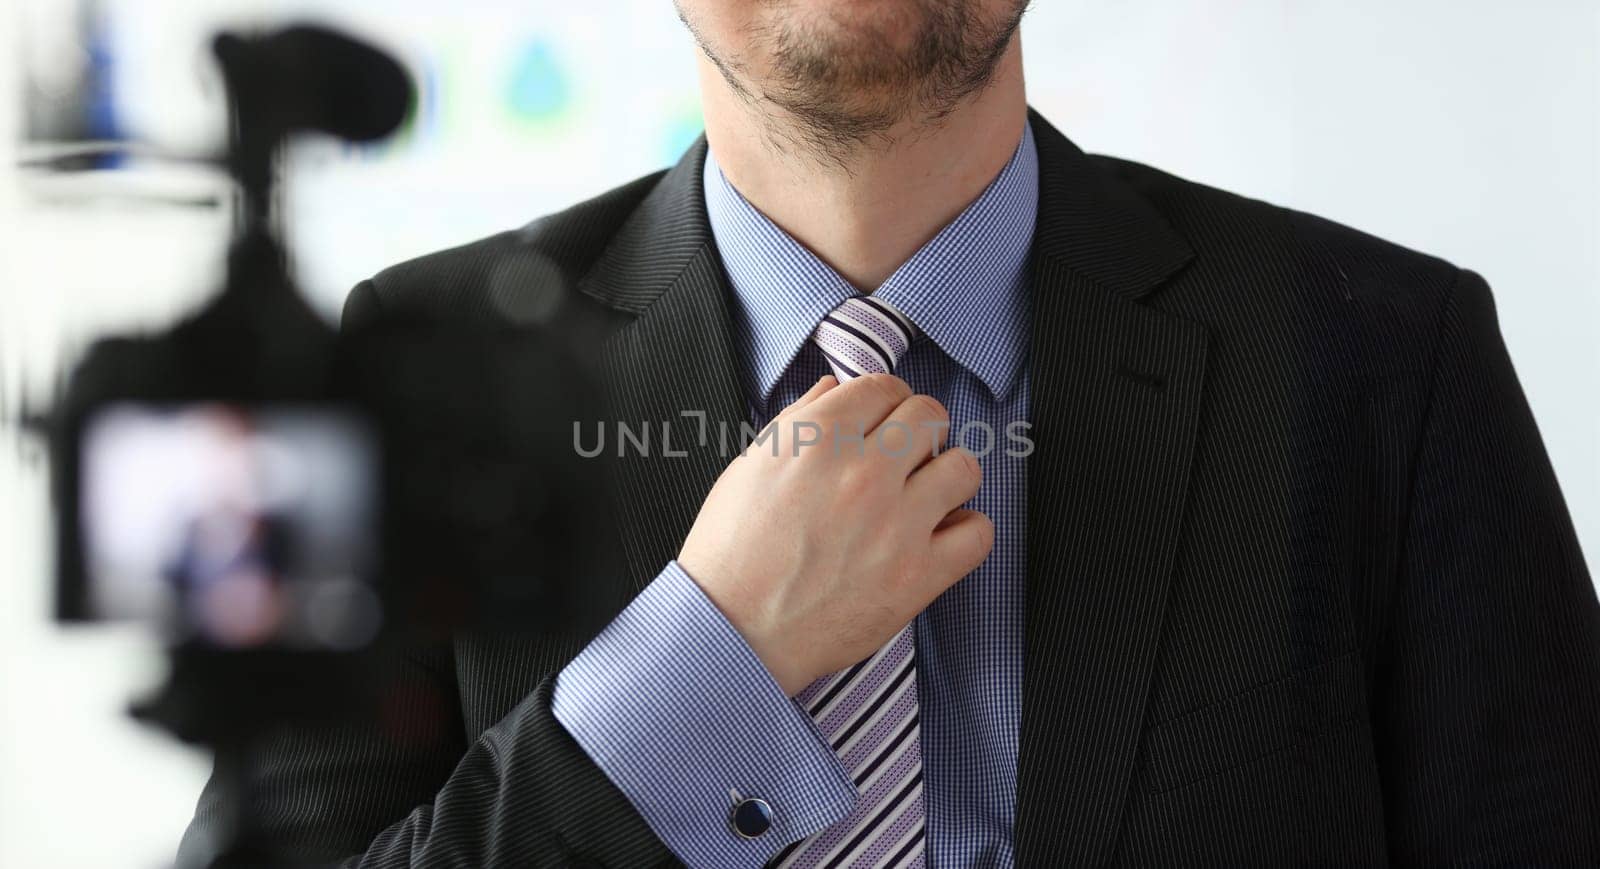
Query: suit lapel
[
  {"x": 676, "y": 357},
  {"x": 1116, "y": 398}
]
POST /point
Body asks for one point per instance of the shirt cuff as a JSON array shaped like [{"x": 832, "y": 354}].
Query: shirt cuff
[{"x": 677, "y": 710}]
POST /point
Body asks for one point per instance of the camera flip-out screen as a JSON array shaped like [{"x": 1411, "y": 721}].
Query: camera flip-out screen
[{"x": 233, "y": 526}]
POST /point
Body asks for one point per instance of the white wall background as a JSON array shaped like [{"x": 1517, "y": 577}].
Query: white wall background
[{"x": 1465, "y": 128}]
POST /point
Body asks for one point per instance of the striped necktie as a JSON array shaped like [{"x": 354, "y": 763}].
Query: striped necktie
[
  {"x": 863, "y": 336},
  {"x": 869, "y": 712}
]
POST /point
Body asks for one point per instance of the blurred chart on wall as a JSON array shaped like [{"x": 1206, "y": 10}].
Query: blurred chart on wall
[{"x": 507, "y": 94}]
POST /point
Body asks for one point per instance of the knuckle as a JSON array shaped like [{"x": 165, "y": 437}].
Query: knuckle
[
  {"x": 857, "y": 481},
  {"x": 926, "y": 407},
  {"x": 888, "y": 387},
  {"x": 981, "y": 538},
  {"x": 971, "y": 470}
]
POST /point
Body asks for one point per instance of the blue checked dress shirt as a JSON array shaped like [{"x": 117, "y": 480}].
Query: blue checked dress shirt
[{"x": 670, "y": 701}]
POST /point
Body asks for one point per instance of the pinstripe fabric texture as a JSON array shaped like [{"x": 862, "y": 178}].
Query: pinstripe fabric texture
[{"x": 1301, "y": 586}]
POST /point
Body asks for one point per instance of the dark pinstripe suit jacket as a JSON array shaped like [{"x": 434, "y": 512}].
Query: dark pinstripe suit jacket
[{"x": 1301, "y": 584}]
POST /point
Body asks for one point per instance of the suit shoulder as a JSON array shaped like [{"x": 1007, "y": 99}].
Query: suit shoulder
[
  {"x": 1235, "y": 231},
  {"x": 484, "y": 277}
]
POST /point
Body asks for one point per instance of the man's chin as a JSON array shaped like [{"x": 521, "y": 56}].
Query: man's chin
[
  {"x": 849, "y": 70},
  {"x": 855, "y": 33}
]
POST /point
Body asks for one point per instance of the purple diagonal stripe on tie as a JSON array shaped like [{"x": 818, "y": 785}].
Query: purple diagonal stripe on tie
[
  {"x": 873, "y": 323},
  {"x": 874, "y": 800},
  {"x": 888, "y": 310},
  {"x": 908, "y": 855},
  {"x": 866, "y": 336},
  {"x": 866, "y": 686},
  {"x": 851, "y": 350},
  {"x": 817, "y": 697},
  {"x": 888, "y": 838},
  {"x": 866, "y": 696},
  {"x": 862, "y": 336},
  {"x": 906, "y": 739},
  {"x": 878, "y": 736},
  {"x": 872, "y": 725}
]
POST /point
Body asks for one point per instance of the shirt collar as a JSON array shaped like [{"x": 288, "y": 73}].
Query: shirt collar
[{"x": 966, "y": 289}]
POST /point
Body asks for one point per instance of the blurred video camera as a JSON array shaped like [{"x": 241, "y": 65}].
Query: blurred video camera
[{"x": 283, "y": 500}]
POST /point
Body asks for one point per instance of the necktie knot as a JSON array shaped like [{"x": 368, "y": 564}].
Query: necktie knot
[{"x": 864, "y": 335}]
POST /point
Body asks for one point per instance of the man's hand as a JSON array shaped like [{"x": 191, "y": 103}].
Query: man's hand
[{"x": 820, "y": 554}]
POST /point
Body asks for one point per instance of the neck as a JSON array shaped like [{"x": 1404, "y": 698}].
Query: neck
[{"x": 868, "y": 212}]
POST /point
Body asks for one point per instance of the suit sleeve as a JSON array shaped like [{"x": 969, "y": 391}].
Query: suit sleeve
[
  {"x": 1488, "y": 693},
  {"x": 670, "y": 701},
  {"x": 409, "y": 789}
]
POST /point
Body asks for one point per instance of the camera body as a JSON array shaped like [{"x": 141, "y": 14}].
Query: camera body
[{"x": 289, "y": 503}]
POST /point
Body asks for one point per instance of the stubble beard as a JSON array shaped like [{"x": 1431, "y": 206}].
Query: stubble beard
[{"x": 830, "y": 89}]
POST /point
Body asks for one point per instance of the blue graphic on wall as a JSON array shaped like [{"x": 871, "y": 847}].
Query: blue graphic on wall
[
  {"x": 681, "y": 129},
  {"x": 538, "y": 89}
]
